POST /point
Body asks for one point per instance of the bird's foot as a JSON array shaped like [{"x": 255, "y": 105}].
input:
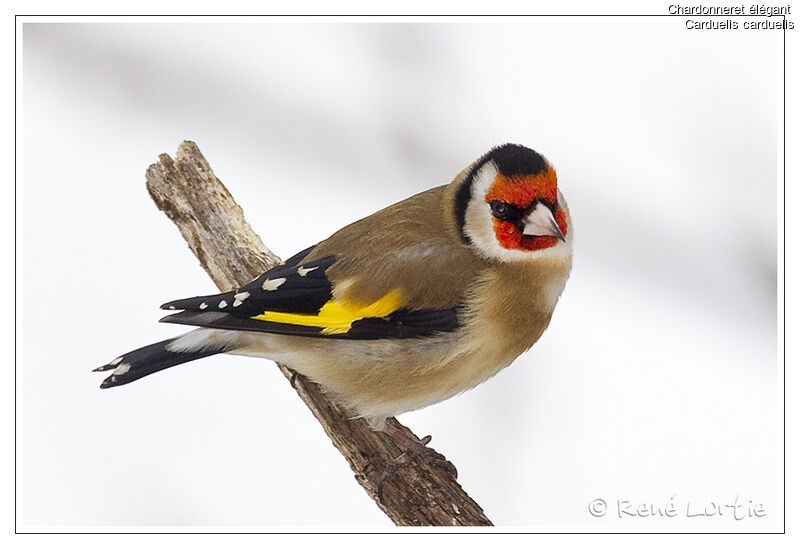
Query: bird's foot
[
  {"x": 293, "y": 379},
  {"x": 412, "y": 447}
]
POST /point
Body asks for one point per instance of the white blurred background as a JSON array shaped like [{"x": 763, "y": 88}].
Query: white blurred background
[{"x": 656, "y": 382}]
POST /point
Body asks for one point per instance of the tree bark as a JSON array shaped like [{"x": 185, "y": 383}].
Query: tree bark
[{"x": 418, "y": 493}]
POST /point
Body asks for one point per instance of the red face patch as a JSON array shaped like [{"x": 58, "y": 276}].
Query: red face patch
[{"x": 521, "y": 191}]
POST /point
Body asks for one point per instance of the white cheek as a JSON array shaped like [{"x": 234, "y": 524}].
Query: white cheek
[
  {"x": 478, "y": 220},
  {"x": 479, "y": 227},
  {"x": 483, "y": 179}
]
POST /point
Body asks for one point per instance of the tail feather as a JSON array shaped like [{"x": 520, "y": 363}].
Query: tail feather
[{"x": 148, "y": 360}]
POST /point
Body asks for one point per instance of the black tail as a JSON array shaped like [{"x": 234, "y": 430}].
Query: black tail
[{"x": 147, "y": 360}]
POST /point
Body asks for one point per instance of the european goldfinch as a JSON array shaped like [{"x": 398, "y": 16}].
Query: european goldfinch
[{"x": 410, "y": 306}]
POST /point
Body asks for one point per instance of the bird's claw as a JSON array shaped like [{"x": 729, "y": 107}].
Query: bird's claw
[
  {"x": 413, "y": 447},
  {"x": 293, "y": 379}
]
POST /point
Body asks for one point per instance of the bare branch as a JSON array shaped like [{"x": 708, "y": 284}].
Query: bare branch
[{"x": 213, "y": 225}]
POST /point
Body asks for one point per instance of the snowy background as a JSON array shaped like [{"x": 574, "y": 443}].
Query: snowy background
[{"x": 657, "y": 381}]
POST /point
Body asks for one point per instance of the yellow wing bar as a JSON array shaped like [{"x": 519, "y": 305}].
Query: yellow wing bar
[{"x": 336, "y": 317}]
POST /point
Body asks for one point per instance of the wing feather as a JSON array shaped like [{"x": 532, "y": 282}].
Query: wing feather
[{"x": 296, "y": 298}]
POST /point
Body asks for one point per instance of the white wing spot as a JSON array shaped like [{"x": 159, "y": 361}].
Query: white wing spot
[
  {"x": 303, "y": 271},
  {"x": 241, "y": 297},
  {"x": 223, "y": 304},
  {"x": 271, "y": 285},
  {"x": 122, "y": 369},
  {"x": 236, "y": 302},
  {"x": 115, "y": 361},
  {"x": 204, "y": 305}
]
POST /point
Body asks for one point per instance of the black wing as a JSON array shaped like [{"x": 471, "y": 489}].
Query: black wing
[{"x": 295, "y": 293}]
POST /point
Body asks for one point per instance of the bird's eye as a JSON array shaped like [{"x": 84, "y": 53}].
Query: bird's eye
[{"x": 501, "y": 210}]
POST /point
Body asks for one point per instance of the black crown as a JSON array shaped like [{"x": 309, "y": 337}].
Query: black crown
[{"x": 514, "y": 159}]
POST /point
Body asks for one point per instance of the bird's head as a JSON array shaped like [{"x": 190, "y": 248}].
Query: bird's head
[{"x": 508, "y": 206}]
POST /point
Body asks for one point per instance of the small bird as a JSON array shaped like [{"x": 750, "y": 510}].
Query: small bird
[{"x": 407, "y": 307}]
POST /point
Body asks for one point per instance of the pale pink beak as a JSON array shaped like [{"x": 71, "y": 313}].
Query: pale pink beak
[{"x": 540, "y": 222}]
